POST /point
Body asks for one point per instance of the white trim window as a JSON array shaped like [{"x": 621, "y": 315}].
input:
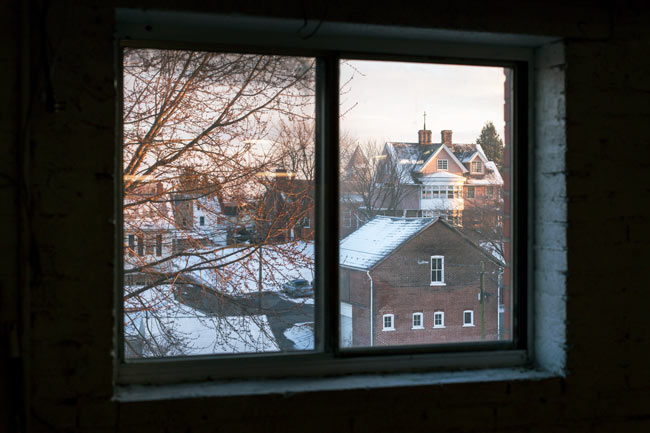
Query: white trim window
[
  {"x": 437, "y": 270},
  {"x": 443, "y": 164},
  {"x": 306, "y": 222},
  {"x": 477, "y": 167},
  {"x": 471, "y": 191},
  {"x": 439, "y": 319},
  {"x": 468, "y": 318},
  {"x": 388, "y": 320},
  {"x": 417, "y": 321}
]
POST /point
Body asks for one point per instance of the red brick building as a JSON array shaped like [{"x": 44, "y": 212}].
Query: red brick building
[{"x": 416, "y": 281}]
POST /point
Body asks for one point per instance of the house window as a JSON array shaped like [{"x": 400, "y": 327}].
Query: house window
[
  {"x": 140, "y": 239},
  {"x": 417, "y": 321},
  {"x": 131, "y": 244},
  {"x": 477, "y": 167},
  {"x": 388, "y": 322},
  {"x": 347, "y": 218},
  {"x": 437, "y": 270},
  {"x": 439, "y": 319},
  {"x": 468, "y": 318},
  {"x": 202, "y": 220},
  {"x": 306, "y": 222},
  {"x": 450, "y": 191},
  {"x": 159, "y": 245},
  {"x": 442, "y": 164},
  {"x": 470, "y": 192},
  {"x": 489, "y": 192}
]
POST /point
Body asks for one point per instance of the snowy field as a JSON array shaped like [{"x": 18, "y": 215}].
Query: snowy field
[{"x": 168, "y": 328}]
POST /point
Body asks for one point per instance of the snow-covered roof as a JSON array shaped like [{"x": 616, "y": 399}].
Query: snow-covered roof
[
  {"x": 407, "y": 156},
  {"x": 377, "y": 239},
  {"x": 491, "y": 176}
]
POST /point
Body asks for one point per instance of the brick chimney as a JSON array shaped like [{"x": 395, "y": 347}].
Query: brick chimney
[
  {"x": 445, "y": 136},
  {"x": 424, "y": 135}
]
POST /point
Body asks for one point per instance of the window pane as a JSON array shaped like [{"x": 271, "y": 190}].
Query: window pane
[
  {"x": 414, "y": 137},
  {"x": 218, "y": 161}
]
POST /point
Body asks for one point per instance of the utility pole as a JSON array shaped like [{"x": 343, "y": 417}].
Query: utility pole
[
  {"x": 482, "y": 279},
  {"x": 259, "y": 279}
]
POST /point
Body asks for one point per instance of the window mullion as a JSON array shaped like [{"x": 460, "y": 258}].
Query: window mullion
[{"x": 327, "y": 209}]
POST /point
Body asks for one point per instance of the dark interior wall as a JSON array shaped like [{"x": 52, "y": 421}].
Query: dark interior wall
[{"x": 56, "y": 184}]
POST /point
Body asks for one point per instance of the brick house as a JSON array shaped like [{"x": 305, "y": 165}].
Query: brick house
[
  {"x": 416, "y": 281},
  {"x": 287, "y": 209}
]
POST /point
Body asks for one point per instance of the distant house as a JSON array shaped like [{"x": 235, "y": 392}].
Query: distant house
[
  {"x": 158, "y": 224},
  {"x": 287, "y": 210},
  {"x": 416, "y": 281}
]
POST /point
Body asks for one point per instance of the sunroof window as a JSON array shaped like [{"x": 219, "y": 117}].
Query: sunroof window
[
  {"x": 218, "y": 203},
  {"x": 423, "y": 230}
]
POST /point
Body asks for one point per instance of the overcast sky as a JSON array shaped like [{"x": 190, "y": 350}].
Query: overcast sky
[{"x": 391, "y": 97}]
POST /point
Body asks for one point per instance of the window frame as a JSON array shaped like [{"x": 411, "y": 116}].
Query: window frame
[
  {"x": 440, "y": 282},
  {"x": 477, "y": 167},
  {"x": 421, "y": 325},
  {"x": 446, "y": 164},
  {"x": 243, "y": 34},
  {"x": 441, "y": 314},
  {"x": 391, "y": 317},
  {"x": 471, "y": 324}
]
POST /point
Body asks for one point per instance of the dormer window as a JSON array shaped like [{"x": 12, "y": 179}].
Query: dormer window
[
  {"x": 477, "y": 167},
  {"x": 442, "y": 164}
]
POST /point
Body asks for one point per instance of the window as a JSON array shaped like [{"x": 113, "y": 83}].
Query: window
[
  {"x": 131, "y": 244},
  {"x": 417, "y": 321},
  {"x": 306, "y": 222},
  {"x": 442, "y": 164},
  {"x": 159, "y": 245},
  {"x": 489, "y": 191},
  {"x": 326, "y": 71},
  {"x": 439, "y": 319},
  {"x": 437, "y": 270},
  {"x": 388, "y": 322},
  {"x": 477, "y": 167},
  {"x": 470, "y": 192},
  {"x": 202, "y": 220},
  {"x": 468, "y": 318},
  {"x": 347, "y": 218}
]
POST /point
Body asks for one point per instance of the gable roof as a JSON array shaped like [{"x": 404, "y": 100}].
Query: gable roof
[
  {"x": 436, "y": 152},
  {"x": 380, "y": 237},
  {"x": 377, "y": 239}
]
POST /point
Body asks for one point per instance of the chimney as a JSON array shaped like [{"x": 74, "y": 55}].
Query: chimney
[
  {"x": 424, "y": 135},
  {"x": 446, "y": 137}
]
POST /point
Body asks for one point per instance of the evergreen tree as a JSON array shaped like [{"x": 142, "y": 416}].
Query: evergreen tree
[{"x": 492, "y": 144}]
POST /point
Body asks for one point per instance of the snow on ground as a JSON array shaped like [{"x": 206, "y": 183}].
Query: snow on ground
[
  {"x": 162, "y": 326},
  {"x": 302, "y": 335},
  {"x": 280, "y": 263}
]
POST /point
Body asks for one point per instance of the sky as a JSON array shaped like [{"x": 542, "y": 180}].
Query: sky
[{"x": 385, "y": 101}]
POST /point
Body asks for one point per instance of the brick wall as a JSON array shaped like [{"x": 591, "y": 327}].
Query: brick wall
[{"x": 63, "y": 181}]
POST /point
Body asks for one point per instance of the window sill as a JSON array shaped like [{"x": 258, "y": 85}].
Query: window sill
[
  {"x": 288, "y": 387},
  {"x": 437, "y": 284},
  {"x": 469, "y": 326},
  {"x": 388, "y": 329},
  {"x": 418, "y": 327},
  {"x": 439, "y": 327}
]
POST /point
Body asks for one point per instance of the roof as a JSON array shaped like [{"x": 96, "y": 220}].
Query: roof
[
  {"x": 381, "y": 236},
  {"x": 377, "y": 239}
]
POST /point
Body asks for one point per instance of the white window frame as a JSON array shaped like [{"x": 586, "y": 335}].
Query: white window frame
[
  {"x": 443, "y": 164},
  {"x": 203, "y": 30},
  {"x": 440, "y": 314},
  {"x": 477, "y": 166},
  {"x": 441, "y": 282},
  {"x": 391, "y": 317},
  {"x": 471, "y": 324},
  {"x": 421, "y": 317},
  {"x": 471, "y": 188}
]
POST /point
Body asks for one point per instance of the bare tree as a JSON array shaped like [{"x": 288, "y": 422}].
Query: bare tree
[
  {"x": 372, "y": 182},
  {"x": 196, "y": 129}
]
